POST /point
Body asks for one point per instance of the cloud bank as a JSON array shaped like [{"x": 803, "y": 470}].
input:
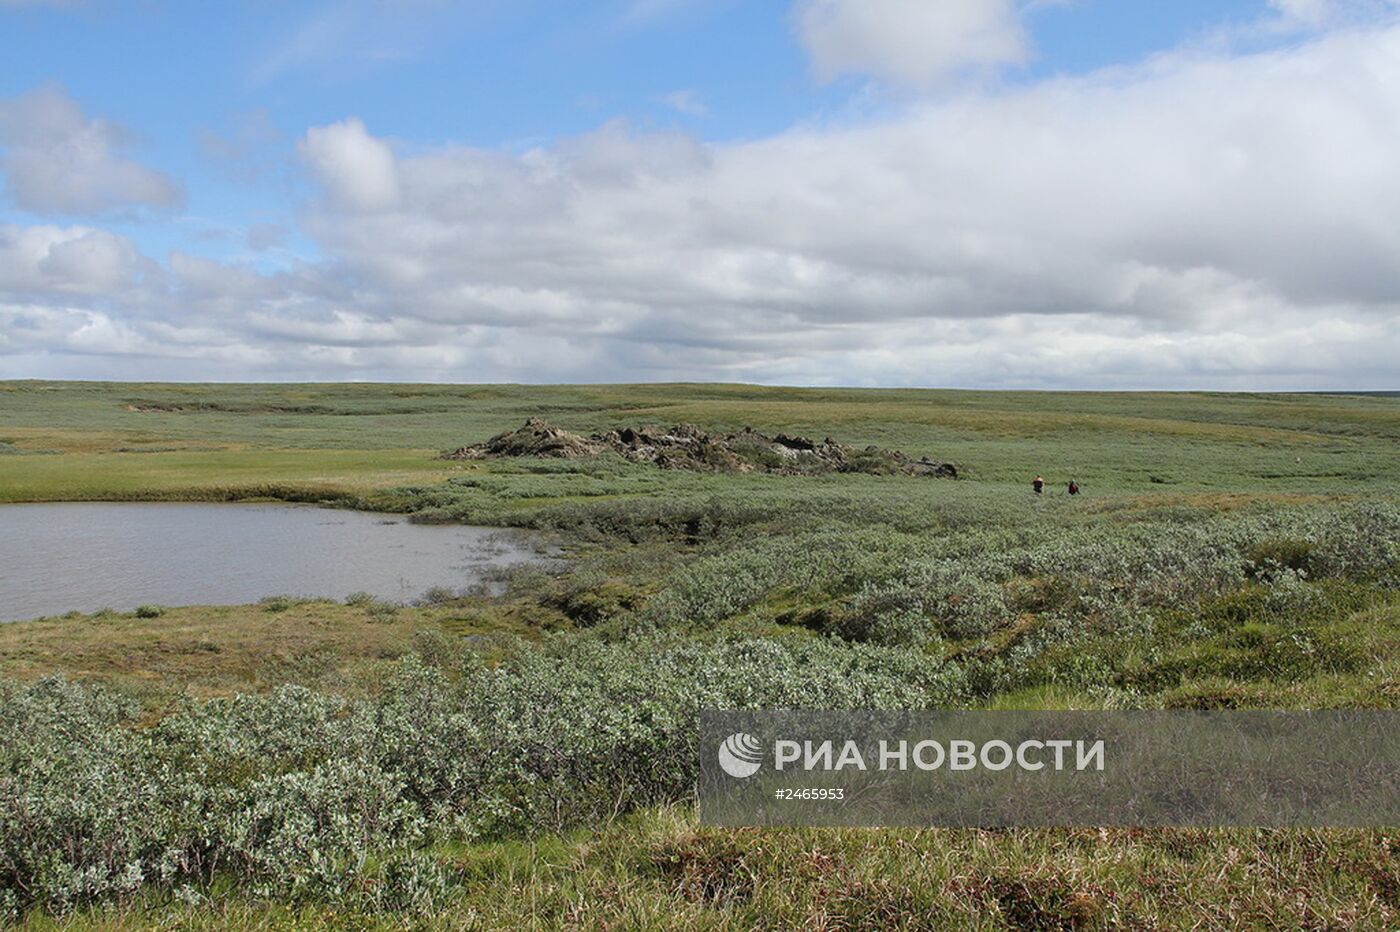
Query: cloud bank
[
  {"x": 58, "y": 160},
  {"x": 910, "y": 42},
  {"x": 1206, "y": 219}
]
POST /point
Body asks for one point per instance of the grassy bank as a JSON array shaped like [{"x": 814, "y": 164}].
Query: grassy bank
[{"x": 193, "y": 767}]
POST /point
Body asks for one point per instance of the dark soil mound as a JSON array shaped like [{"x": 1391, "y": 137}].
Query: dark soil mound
[
  {"x": 685, "y": 446},
  {"x": 536, "y": 438}
]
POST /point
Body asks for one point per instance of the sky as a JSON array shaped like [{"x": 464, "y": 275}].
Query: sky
[{"x": 1046, "y": 194}]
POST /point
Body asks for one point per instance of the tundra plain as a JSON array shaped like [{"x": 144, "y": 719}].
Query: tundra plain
[{"x": 527, "y": 759}]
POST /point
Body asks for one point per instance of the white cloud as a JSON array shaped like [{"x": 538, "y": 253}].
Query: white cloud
[
  {"x": 1304, "y": 11},
  {"x": 688, "y": 102},
  {"x": 67, "y": 261},
  {"x": 329, "y": 34},
  {"x": 355, "y": 167},
  {"x": 909, "y": 42},
  {"x": 355, "y": 34},
  {"x": 1203, "y": 220},
  {"x": 1188, "y": 196},
  {"x": 1313, "y": 14},
  {"x": 55, "y": 159}
]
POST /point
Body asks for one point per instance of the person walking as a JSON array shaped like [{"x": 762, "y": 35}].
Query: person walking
[
  {"x": 1073, "y": 487},
  {"x": 1038, "y": 484}
]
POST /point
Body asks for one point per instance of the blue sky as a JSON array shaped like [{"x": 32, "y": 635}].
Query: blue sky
[
  {"x": 491, "y": 73},
  {"x": 540, "y": 191}
]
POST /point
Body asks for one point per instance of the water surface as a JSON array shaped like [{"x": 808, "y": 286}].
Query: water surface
[{"x": 56, "y": 558}]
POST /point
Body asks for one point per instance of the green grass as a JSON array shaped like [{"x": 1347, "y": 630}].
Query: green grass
[
  {"x": 1111, "y": 442},
  {"x": 215, "y": 475},
  {"x": 201, "y": 651},
  {"x": 662, "y": 870},
  {"x": 1230, "y": 551}
]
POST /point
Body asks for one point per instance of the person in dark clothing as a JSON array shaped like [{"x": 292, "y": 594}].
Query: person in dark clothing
[
  {"x": 1073, "y": 487},
  {"x": 1038, "y": 484}
]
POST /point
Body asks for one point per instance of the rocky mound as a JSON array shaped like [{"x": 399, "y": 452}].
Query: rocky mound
[
  {"x": 536, "y": 438},
  {"x": 686, "y": 446}
]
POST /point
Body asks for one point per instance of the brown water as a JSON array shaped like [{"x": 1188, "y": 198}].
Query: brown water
[{"x": 56, "y": 558}]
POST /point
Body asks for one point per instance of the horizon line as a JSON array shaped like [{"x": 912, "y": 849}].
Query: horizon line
[{"x": 1391, "y": 392}]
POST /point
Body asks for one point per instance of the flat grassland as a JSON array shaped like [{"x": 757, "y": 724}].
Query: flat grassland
[{"x": 526, "y": 760}]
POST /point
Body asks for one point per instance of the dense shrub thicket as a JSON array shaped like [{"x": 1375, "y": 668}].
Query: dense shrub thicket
[
  {"x": 898, "y": 587},
  {"x": 298, "y": 794}
]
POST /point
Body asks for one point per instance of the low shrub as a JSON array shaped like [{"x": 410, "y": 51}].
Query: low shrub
[
  {"x": 439, "y": 595},
  {"x": 382, "y": 611},
  {"x": 1270, "y": 555},
  {"x": 377, "y": 608},
  {"x": 589, "y": 601},
  {"x": 300, "y": 795},
  {"x": 281, "y": 603},
  {"x": 436, "y": 648}
]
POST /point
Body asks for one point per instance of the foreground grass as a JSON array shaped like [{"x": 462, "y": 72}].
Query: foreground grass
[{"x": 661, "y": 869}]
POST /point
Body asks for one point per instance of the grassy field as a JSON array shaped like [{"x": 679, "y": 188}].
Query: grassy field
[
  {"x": 129, "y": 439},
  {"x": 192, "y": 769}
]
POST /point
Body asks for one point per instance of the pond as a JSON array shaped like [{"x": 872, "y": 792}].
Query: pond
[{"x": 56, "y": 558}]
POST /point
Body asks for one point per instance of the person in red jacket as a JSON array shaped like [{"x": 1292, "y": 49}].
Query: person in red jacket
[{"x": 1073, "y": 487}]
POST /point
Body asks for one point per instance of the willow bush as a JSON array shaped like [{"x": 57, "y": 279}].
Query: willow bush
[{"x": 297, "y": 794}]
